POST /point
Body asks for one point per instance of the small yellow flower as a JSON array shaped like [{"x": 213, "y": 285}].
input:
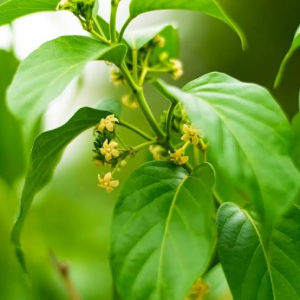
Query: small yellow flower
[
  {"x": 107, "y": 182},
  {"x": 199, "y": 289},
  {"x": 179, "y": 157},
  {"x": 109, "y": 150},
  {"x": 116, "y": 78},
  {"x": 177, "y": 68},
  {"x": 158, "y": 152},
  {"x": 130, "y": 101},
  {"x": 159, "y": 41},
  {"x": 191, "y": 134},
  {"x": 108, "y": 123}
]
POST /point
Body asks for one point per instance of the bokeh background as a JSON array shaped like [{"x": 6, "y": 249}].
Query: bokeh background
[{"x": 72, "y": 216}]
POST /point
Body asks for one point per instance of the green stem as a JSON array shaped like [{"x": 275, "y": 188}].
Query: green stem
[
  {"x": 123, "y": 29},
  {"x": 159, "y": 85},
  {"x": 136, "y": 130},
  {"x": 196, "y": 156},
  {"x": 100, "y": 28},
  {"x": 98, "y": 36},
  {"x": 139, "y": 93},
  {"x": 135, "y": 64},
  {"x": 145, "y": 67},
  {"x": 169, "y": 119},
  {"x": 113, "y": 20},
  {"x": 141, "y": 146}
]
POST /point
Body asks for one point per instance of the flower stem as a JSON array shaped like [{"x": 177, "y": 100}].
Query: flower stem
[
  {"x": 136, "y": 130},
  {"x": 139, "y": 93},
  {"x": 113, "y": 20}
]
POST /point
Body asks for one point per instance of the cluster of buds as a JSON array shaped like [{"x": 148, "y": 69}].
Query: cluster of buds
[
  {"x": 179, "y": 118},
  {"x": 117, "y": 78},
  {"x": 130, "y": 101},
  {"x": 158, "y": 152},
  {"x": 106, "y": 151},
  {"x": 191, "y": 136},
  {"x": 84, "y": 10},
  {"x": 198, "y": 290},
  {"x": 176, "y": 68}
]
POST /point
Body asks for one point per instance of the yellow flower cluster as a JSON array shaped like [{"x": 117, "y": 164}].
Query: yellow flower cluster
[
  {"x": 116, "y": 78},
  {"x": 159, "y": 41},
  {"x": 130, "y": 101},
  {"x": 191, "y": 134},
  {"x": 179, "y": 157},
  {"x": 108, "y": 123},
  {"x": 107, "y": 182}
]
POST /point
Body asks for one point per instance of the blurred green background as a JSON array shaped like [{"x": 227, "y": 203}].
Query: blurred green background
[{"x": 72, "y": 215}]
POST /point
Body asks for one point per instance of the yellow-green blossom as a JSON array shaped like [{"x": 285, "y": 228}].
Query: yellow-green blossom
[
  {"x": 109, "y": 150},
  {"x": 108, "y": 123},
  {"x": 177, "y": 68},
  {"x": 191, "y": 134},
  {"x": 107, "y": 182},
  {"x": 179, "y": 157}
]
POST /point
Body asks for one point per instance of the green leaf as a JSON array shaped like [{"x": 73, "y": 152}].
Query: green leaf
[
  {"x": 139, "y": 38},
  {"x": 12, "y": 161},
  {"x": 253, "y": 270},
  {"x": 13, "y": 9},
  {"x": 209, "y": 7},
  {"x": 295, "y": 148},
  {"x": 295, "y": 45},
  {"x": 45, "y": 155},
  {"x": 45, "y": 73},
  {"x": 249, "y": 138},
  {"x": 163, "y": 232},
  {"x": 218, "y": 286}
]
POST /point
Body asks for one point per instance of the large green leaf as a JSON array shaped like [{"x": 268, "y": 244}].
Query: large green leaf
[
  {"x": 295, "y": 45},
  {"x": 209, "y": 7},
  {"x": 45, "y": 155},
  {"x": 253, "y": 270},
  {"x": 295, "y": 149},
  {"x": 163, "y": 233},
  {"x": 249, "y": 138},
  {"x": 218, "y": 286},
  {"x": 11, "y": 150},
  {"x": 12, "y": 9},
  {"x": 44, "y": 74}
]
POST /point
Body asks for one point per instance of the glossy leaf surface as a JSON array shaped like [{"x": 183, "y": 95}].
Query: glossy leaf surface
[
  {"x": 45, "y": 73},
  {"x": 163, "y": 232},
  {"x": 249, "y": 138},
  {"x": 45, "y": 155},
  {"x": 209, "y": 7},
  {"x": 253, "y": 270}
]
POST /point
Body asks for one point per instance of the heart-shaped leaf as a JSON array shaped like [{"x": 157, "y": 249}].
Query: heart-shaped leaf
[
  {"x": 209, "y": 7},
  {"x": 163, "y": 232},
  {"x": 45, "y": 155},
  {"x": 45, "y": 73},
  {"x": 13, "y": 9},
  {"x": 11, "y": 151},
  {"x": 295, "y": 45},
  {"x": 249, "y": 138},
  {"x": 254, "y": 270}
]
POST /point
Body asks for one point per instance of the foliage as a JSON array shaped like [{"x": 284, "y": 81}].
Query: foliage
[{"x": 220, "y": 191}]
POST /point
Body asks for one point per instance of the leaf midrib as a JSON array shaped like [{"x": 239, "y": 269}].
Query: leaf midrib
[{"x": 166, "y": 231}]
